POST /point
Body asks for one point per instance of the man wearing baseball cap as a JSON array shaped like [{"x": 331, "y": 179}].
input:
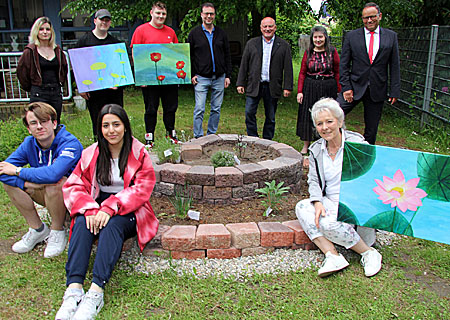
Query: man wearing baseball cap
[{"x": 95, "y": 100}]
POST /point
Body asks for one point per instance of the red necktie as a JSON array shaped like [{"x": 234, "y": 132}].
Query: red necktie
[{"x": 371, "y": 46}]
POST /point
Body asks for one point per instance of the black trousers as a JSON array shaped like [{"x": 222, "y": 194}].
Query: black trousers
[
  {"x": 98, "y": 99},
  {"x": 372, "y": 113},
  {"x": 169, "y": 100},
  {"x": 51, "y": 95}
]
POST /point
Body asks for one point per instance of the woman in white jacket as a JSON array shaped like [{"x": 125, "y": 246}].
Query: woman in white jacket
[{"x": 318, "y": 214}]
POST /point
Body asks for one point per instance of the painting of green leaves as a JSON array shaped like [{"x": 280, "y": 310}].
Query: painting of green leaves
[
  {"x": 397, "y": 190},
  {"x": 101, "y": 67},
  {"x": 162, "y": 64}
]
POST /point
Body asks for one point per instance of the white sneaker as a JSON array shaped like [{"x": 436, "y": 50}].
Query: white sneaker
[
  {"x": 371, "y": 261},
  {"x": 71, "y": 301},
  {"x": 30, "y": 240},
  {"x": 56, "y": 243},
  {"x": 90, "y": 306},
  {"x": 332, "y": 264}
]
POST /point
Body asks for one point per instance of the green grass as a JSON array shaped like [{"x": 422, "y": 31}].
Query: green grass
[{"x": 32, "y": 287}]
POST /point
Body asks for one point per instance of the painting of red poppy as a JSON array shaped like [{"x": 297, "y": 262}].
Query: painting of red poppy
[{"x": 161, "y": 64}]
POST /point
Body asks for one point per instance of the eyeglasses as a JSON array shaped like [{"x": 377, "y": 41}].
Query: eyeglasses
[{"x": 370, "y": 17}]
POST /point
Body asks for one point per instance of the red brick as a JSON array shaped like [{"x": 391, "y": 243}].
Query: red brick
[
  {"x": 229, "y": 253},
  {"x": 254, "y": 251},
  {"x": 274, "y": 234},
  {"x": 253, "y": 172},
  {"x": 156, "y": 241},
  {"x": 279, "y": 146},
  {"x": 228, "y": 177},
  {"x": 194, "y": 254},
  {"x": 179, "y": 238},
  {"x": 211, "y": 192},
  {"x": 190, "y": 151},
  {"x": 158, "y": 168},
  {"x": 175, "y": 173},
  {"x": 212, "y": 236},
  {"x": 290, "y": 153},
  {"x": 207, "y": 140},
  {"x": 228, "y": 137},
  {"x": 200, "y": 175},
  {"x": 244, "y": 235},
  {"x": 300, "y": 236}
]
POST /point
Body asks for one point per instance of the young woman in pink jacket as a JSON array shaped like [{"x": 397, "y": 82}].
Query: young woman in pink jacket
[{"x": 107, "y": 196}]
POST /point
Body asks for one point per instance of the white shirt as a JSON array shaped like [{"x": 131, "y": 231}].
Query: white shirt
[
  {"x": 332, "y": 170},
  {"x": 267, "y": 51},
  {"x": 376, "y": 41},
  {"x": 116, "y": 181}
]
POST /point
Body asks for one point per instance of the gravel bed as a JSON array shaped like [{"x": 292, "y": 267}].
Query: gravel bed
[{"x": 279, "y": 261}]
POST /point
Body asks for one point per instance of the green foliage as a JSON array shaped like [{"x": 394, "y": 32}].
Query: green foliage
[
  {"x": 359, "y": 159},
  {"x": 240, "y": 145},
  {"x": 290, "y": 28},
  {"x": 12, "y": 134},
  {"x": 222, "y": 159},
  {"x": 182, "y": 201},
  {"x": 434, "y": 173},
  {"x": 167, "y": 151},
  {"x": 273, "y": 195},
  {"x": 395, "y": 14}
]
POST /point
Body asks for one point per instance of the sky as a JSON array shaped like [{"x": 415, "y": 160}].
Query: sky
[{"x": 315, "y": 5}]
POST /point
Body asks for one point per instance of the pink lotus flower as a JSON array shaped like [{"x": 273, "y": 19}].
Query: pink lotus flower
[{"x": 400, "y": 193}]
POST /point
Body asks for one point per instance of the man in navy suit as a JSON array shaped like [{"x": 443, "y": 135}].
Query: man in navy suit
[
  {"x": 265, "y": 72},
  {"x": 367, "y": 55}
]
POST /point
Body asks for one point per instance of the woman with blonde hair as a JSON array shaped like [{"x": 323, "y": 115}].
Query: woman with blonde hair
[{"x": 42, "y": 68}]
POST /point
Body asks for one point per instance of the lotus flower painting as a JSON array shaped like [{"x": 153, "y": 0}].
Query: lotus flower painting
[
  {"x": 397, "y": 190},
  {"x": 101, "y": 67},
  {"x": 162, "y": 64}
]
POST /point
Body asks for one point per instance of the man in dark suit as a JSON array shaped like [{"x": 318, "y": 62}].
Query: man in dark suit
[
  {"x": 367, "y": 54},
  {"x": 265, "y": 72}
]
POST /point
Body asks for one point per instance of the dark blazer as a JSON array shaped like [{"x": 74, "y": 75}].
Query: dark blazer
[
  {"x": 201, "y": 59},
  {"x": 280, "y": 73},
  {"x": 356, "y": 72}
]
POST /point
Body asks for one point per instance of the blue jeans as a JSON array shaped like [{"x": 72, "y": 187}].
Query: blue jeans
[
  {"x": 270, "y": 108},
  {"x": 110, "y": 241},
  {"x": 201, "y": 91}
]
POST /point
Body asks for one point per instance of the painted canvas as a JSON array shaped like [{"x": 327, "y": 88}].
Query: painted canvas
[
  {"x": 162, "y": 64},
  {"x": 101, "y": 67},
  {"x": 397, "y": 190}
]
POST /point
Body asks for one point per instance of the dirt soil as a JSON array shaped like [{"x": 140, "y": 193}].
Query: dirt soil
[
  {"x": 246, "y": 211},
  {"x": 250, "y": 154}
]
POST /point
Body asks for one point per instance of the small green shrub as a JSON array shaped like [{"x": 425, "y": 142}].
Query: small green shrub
[
  {"x": 161, "y": 148},
  {"x": 240, "y": 145},
  {"x": 182, "y": 201},
  {"x": 12, "y": 134},
  {"x": 273, "y": 195},
  {"x": 222, "y": 159}
]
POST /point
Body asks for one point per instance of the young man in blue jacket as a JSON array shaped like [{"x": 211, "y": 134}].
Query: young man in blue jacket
[{"x": 52, "y": 153}]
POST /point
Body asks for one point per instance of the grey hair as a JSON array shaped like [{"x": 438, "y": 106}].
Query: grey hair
[{"x": 329, "y": 105}]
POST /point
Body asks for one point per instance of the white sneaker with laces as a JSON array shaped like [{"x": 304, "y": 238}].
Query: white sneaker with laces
[
  {"x": 30, "y": 240},
  {"x": 90, "y": 306},
  {"x": 71, "y": 301},
  {"x": 371, "y": 261},
  {"x": 56, "y": 243},
  {"x": 332, "y": 264}
]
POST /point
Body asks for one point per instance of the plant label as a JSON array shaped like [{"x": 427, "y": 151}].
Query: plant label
[
  {"x": 194, "y": 215},
  {"x": 268, "y": 211},
  {"x": 167, "y": 153},
  {"x": 236, "y": 159}
]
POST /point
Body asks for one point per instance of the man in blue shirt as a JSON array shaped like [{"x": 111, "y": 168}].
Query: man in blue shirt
[
  {"x": 52, "y": 154},
  {"x": 211, "y": 68}
]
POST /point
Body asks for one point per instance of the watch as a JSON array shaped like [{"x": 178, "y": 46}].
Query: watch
[{"x": 18, "y": 169}]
